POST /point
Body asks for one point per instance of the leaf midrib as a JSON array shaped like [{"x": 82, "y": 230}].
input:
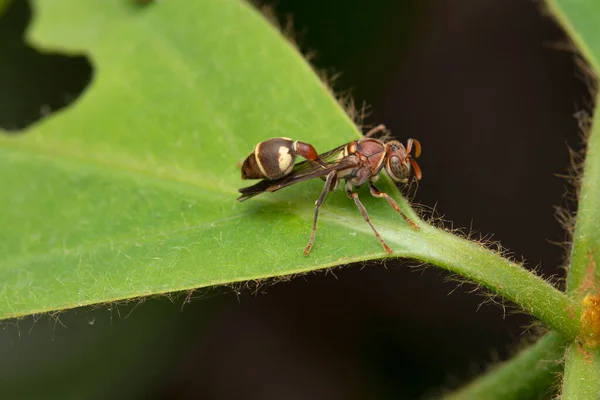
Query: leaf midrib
[{"x": 111, "y": 167}]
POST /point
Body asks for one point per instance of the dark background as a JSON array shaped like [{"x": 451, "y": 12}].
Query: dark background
[{"x": 489, "y": 88}]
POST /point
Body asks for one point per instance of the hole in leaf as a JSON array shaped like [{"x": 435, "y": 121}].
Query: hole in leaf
[{"x": 34, "y": 84}]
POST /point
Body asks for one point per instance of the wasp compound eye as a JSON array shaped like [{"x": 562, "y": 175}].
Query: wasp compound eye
[{"x": 398, "y": 170}]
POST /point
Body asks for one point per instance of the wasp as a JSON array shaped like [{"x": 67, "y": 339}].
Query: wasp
[{"x": 357, "y": 162}]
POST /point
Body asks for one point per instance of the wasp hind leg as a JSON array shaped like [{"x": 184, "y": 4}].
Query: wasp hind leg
[{"x": 330, "y": 184}]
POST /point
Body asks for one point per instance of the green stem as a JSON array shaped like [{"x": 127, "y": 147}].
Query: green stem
[
  {"x": 582, "y": 374},
  {"x": 532, "y": 374},
  {"x": 503, "y": 277},
  {"x": 584, "y": 273},
  {"x": 586, "y": 239},
  {"x": 582, "y": 363}
]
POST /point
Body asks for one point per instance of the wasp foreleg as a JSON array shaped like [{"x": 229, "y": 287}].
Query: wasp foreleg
[
  {"x": 363, "y": 211},
  {"x": 379, "y": 194}
]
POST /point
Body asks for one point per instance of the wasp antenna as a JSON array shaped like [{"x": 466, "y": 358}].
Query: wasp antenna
[
  {"x": 417, "y": 147},
  {"x": 416, "y": 168}
]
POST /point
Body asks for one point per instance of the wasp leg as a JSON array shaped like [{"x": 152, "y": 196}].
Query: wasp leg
[
  {"x": 363, "y": 211},
  {"x": 377, "y": 129},
  {"x": 379, "y": 194},
  {"x": 330, "y": 184}
]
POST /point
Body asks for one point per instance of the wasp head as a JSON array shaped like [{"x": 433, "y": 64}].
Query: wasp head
[{"x": 399, "y": 161}]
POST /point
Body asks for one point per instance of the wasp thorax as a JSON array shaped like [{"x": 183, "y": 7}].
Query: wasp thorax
[
  {"x": 398, "y": 169},
  {"x": 271, "y": 159}
]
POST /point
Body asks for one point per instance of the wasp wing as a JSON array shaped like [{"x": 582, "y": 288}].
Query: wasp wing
[{"x": 332, "y": 160}]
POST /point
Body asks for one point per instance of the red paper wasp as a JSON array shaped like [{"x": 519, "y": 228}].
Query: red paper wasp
[{"x": 357, "y": 162}]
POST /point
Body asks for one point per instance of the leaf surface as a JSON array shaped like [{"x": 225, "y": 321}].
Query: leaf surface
[{"x": 132, "y": 190}]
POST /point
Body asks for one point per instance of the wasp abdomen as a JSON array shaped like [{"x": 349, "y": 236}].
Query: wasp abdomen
[{"x": 271, "y": 159}]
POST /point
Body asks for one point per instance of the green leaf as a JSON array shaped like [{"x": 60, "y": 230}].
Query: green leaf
[
  {"x": 3, "y": 5},
  {"x": 531, "y": 374},
  {"x": 580, "y": 19},
  {"x": 132, "y": 190}
]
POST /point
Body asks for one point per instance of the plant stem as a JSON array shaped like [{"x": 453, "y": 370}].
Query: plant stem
[
  {"x": 502, "y": 276},
  {"x": 582, "y": 364},
  {"x": 586, "y": 239},
  {"x": 532, "y": 374},
  {"x": 584, "y": 274},
  {"x": 582, "y": 374}
]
